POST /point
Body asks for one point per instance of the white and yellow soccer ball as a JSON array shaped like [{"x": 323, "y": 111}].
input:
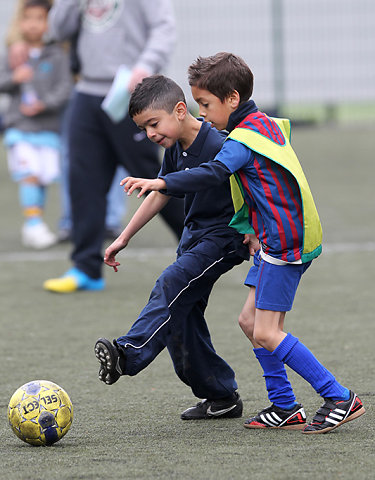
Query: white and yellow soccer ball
[{"x": 40, "y": 412}]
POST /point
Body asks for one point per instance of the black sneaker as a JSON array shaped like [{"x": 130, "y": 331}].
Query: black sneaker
[
  {"x": 229, "y": 407},
  {"x": 109, "y": 358},
  {"x": 334, "y": 413},
  {"x": 276, "y": 417}
]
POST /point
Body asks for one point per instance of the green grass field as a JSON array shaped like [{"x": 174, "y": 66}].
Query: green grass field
[{"x": 132, "y": 430}]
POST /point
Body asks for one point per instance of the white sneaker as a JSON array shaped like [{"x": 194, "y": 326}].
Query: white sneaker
[{"x": 38, "y": 236}]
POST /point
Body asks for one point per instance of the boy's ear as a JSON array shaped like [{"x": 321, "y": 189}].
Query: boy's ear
[
  {"x": 234, "y": 99},
  {"x": 181, "y": 110}
]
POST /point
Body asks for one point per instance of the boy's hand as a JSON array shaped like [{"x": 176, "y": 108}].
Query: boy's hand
[
  {"x": 253, "y": 243},
  {"x": 143, "y": 184},
  {"x": 18, "y": 54},
  {"x": 33, "y": 109},
  {"x": 112, "y": 251},
  {"x": 22, "y": 74}
]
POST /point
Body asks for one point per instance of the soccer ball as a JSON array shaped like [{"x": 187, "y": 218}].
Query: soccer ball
[{"x": 40, "y": 412}]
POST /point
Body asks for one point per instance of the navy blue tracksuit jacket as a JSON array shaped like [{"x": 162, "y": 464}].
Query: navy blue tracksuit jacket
[{"x": 174, "y": 314}]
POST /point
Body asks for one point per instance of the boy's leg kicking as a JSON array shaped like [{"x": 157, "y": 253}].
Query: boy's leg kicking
[{"x": 174, "y": 317}]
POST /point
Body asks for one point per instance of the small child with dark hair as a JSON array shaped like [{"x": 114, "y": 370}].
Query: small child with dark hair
[
  {"x": 273, "y": 201},
  {"x": 38, "y": 89},
  {"x": 174, "y": 314}
]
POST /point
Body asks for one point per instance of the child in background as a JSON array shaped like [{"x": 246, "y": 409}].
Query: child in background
[
  {"x": 174, "y": 314},
  {"x": 116, "y": 208},
  {"x": 38, "y": 90},
  {"x": 271, "y": 197}
]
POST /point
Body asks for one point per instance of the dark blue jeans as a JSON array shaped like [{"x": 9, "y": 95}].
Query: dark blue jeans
[
  {"x": 174, "y": 318},
  {"x": 116, "y": 200},
  {"x": 96, "y": 147}
]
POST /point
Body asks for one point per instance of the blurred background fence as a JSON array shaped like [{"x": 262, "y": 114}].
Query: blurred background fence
[{"x": 311, "y": 59}]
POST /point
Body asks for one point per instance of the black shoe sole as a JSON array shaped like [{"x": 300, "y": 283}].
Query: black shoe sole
[{"x": 108, "y": 358}]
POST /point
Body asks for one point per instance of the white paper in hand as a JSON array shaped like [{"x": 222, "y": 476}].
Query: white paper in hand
[{"x": 116, "y": 102}]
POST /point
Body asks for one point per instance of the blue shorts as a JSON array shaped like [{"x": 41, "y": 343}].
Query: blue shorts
[{"x": 275, "y": 285}]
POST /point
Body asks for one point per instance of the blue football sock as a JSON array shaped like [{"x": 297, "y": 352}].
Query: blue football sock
[
  {"x": 32, "y": 199},
  {"x": 279, "y": 389},
  {"x": 31, "y": 195},
  {"x": 299, "y": 358}
]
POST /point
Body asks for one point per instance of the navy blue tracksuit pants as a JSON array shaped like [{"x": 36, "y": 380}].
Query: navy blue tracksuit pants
[
  {"x": 174, "y": 318},
  {"x": 96, "y": 147}
]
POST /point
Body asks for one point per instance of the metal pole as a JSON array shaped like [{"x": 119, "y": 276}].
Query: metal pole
[{"x": 278, "y": 60}]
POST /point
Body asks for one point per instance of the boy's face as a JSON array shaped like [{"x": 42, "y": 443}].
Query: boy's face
[
  {"x": 160, "y": 126},
  {"x": 212, "y": 109},
  {"x": 34, "y": 23}
]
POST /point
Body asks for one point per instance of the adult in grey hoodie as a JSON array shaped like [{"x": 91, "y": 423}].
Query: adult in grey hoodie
[{"x": 139, "y": 34}]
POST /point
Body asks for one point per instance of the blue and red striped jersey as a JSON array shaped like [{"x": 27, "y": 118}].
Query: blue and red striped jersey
[{"x": 270, "y": 191}]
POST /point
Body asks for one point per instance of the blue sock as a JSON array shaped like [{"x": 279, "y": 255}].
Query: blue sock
[
  {"x": 31, "y": 195},
  {"x": 32, "y": 198},
  {"x": 299, "y": 358},
  {"x": 279, "y": 389}
]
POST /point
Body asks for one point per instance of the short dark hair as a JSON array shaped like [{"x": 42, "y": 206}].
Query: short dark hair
[
  {"x": 156, "y": 92},
  {"x": 221, "y": 74},
  {"x": 46, "y": 4}
]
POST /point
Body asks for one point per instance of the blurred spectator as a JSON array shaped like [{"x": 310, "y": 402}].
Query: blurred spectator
[
  {"x": 113, "y": 37},
  {"x": 37, "y": 78},
  {"x": 116, "y": 201}
]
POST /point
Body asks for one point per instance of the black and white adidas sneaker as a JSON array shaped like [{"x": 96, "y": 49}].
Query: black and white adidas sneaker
[
  {"x": 332, "y": 414},
  {"x": 229, "y": 407},
  {"x": 276, "y": 417}
]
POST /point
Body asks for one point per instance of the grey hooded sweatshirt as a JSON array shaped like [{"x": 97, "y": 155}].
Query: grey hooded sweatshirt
[{"x": 135, "y": 33}]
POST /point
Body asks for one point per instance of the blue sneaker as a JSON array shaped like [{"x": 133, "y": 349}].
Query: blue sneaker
[{"x": 73, "y": 280}]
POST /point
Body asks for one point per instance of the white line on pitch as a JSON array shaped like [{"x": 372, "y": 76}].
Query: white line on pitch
[
  {"x": 50, "y": 255},
  {"x": 144, "y": 253}
]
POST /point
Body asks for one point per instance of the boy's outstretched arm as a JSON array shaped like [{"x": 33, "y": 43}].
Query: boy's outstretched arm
[
  {"x": 149, "y": 208},
  {"x": 143, "y": 184},
  {"x": 232, "y": 157}
]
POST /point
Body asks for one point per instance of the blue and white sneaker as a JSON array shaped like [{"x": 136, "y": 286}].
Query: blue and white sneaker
[{"x": 73, "y": 280}]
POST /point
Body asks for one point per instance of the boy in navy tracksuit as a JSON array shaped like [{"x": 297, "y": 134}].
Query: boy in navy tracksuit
[{"x": 174, "y": 314}]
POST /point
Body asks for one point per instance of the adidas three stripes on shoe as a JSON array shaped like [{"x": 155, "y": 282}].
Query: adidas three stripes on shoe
[
  {"x": 332, "y": 414},
  {"x": 275, "y": 417}
]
